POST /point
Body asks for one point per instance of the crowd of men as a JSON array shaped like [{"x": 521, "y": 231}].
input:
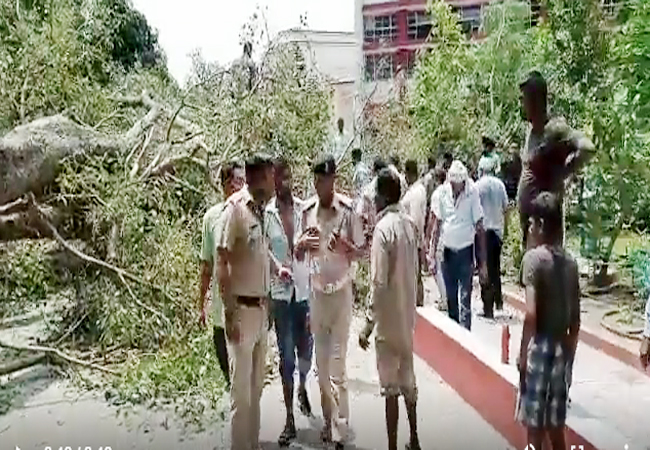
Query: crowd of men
[{"x": 276, "y": 261}]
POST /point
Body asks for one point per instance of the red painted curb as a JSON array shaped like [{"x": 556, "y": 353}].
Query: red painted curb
[
  {"x": 483, "y": 389},
  {"x": 591, "y": 339}
]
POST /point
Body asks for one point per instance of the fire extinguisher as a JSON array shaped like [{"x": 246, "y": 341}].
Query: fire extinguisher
[{"x": 505, "y": 344}]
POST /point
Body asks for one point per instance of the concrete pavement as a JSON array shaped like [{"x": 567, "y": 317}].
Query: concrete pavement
[{"x": 57, "y": 415}]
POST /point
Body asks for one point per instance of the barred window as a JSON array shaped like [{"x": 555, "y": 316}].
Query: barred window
[
  {"x": 377, "y": 28},
  {"x": 419, "y": 25},
  {"x": 379, "y": 67}
]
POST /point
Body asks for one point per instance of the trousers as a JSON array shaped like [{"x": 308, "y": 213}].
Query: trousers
[
  {"x": 294, "y": 339},
  {"x": 248, "y": 359},
  {"x": 457, "y": 271},
  {"x": 491, "y": 291},
  {"x": 331, "y": 315}
]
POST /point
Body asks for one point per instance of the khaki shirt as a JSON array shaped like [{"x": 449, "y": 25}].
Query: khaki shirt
[
  {"x": 414, "y": 203},
  {"x": 330, "y": 271},
  {"x": 393, "y": 275},
  {"x": 242, "y": 235}
]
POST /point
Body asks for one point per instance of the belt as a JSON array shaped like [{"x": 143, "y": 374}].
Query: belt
[
  {"x": 330, "y": 288},
  {"x": 253, "y": 302}
]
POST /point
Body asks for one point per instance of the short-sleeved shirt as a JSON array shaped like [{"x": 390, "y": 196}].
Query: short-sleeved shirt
[
  {"x": 242, "y": 235},
  {"x": 279, "y": 244},
  {"x": 211, "y": 222},
  {"x": 494, "y": 200},
  {"x": 331, "y": 271},
  {"x": 414, "y": 203},
  {"x": 393, "y": 275},
  {"x": 553, "y": 274},
  {"x": 458, "y": 218}
]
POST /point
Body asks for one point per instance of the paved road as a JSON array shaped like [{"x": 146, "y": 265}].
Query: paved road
[{"x": 57, "y": 417}]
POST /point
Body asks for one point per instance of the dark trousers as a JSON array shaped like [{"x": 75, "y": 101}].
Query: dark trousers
[
  {"x": 491, "y": 291},
  {"x": 221, "y": 348},
  {"x": 457, "y": 271},
  {"x": 294, "y": 338}
]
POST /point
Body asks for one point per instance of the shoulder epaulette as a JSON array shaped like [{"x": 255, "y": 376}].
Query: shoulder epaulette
[
  {"x": 344, "y": 200},
  {"x": 310, "y": 202}
]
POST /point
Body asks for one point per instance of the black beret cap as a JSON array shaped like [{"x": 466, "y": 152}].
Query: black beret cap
[{"x": 325, "y": 165}]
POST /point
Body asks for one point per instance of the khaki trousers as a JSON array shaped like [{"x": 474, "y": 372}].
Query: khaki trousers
[
  {"x": 331, "y": 315},
  {"x": 248, "y": 362}
]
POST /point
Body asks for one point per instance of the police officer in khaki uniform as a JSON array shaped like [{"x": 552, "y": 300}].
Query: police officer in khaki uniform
[
  {"x": 244, "y": 280},
  {"x": 332, "y": 237}
]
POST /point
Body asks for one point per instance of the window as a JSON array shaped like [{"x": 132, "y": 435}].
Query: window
[
  {"x": 609, "y": 7},
  {"x": 470, "y": 18},
  {"x": 411, "y": 59},
  {"x": 419, "y": 25},
  {"x": 379, "y": 67},
  {"x": 379, "y": 28}
]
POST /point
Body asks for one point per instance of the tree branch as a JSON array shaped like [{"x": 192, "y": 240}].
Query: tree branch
[
  {"x": 54, "y": 352},
  {"x": 19, "y": 205},
  {"x": 90, "y": 259}
]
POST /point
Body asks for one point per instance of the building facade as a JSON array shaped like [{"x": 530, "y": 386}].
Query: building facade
[
  {"x": 391, "y": 32},
  {"x": 334, "y": 54}
]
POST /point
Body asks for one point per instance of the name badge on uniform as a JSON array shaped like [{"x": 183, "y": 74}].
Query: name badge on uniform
[{"x": 254, "y": 235}]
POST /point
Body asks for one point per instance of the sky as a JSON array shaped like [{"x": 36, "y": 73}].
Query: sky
[{"x": 214, "y": 26}]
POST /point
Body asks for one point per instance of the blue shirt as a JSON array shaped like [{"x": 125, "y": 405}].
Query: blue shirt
[{"x": 279, "y": 246}]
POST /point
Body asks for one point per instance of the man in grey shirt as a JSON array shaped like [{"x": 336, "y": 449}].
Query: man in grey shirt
[
  {"x": 553, "y": 151},
  {"x": 494, "y": 201}
]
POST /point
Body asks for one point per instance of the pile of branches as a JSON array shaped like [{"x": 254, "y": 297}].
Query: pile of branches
[{"x": 126, "y": 205}]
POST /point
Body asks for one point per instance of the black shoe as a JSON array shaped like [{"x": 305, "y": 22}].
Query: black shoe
[
  {"x": 303, "y": 402},
  {"x": 287, "y": 435},
  {"x": 339, "y": 446},
  {"x": 487, "y": 314}
]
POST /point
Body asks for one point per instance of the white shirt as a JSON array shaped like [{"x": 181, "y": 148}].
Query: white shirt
[
  {"x": 494, "y": 201},
  {"x": 458, "y": 220}
]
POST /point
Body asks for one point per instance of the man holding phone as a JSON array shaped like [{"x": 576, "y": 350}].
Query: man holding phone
[{"x": 332, "y": 239}]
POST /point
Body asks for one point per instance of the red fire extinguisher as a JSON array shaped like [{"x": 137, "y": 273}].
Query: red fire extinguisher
[{"x": 505, "y": 344}]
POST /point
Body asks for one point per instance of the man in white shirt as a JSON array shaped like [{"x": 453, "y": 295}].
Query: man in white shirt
[
  {"x": 494, "y": 201},
  {"x": 458, "y": 215}
]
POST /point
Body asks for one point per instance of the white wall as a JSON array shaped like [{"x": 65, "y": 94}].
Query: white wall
[{"x": 335, "y": 55}]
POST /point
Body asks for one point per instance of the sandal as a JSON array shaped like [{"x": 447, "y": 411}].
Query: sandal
[
  {"x": 326, "y": 435},
  {"x": 408, "y": 447},
  {"x": 303, "y": 402},
  {"x": 287, "y": 435}
]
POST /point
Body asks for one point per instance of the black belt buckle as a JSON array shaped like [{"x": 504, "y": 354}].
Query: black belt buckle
[{"x": 252, "y": 302}]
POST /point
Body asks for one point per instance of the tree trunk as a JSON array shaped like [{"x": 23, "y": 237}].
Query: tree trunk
[{"x": 30, "y": 154}]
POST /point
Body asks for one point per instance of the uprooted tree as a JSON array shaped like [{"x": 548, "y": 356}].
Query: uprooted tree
[{"x": 115, "y": 167}]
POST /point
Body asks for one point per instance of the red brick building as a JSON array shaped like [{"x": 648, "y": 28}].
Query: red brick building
[{"x": 394, "y": 30}]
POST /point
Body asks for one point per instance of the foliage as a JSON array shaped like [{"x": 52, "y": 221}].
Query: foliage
[
  {"x": 287, "y": 112},
  {"x": 68, "y": 55},
  {"x": 638, "y": 262},
  {"x": 27, "y": 276},
  {"x": 464, "y": 89},
  {"x": 187, "y": 376}
]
